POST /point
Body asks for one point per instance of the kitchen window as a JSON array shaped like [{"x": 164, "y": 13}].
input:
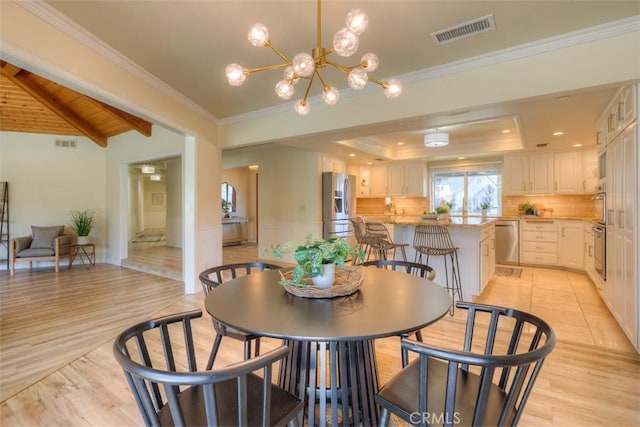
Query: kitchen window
[{"x": 467, "y": 189}]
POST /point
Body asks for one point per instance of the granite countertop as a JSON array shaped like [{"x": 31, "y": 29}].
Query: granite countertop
[
  {"x": 453, "y": 221},
  {"x": 234, "y": 219}
]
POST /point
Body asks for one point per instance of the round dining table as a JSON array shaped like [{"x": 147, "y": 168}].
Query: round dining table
[{"x": 332, "y": 361}]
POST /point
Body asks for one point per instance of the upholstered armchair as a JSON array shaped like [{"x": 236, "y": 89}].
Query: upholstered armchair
[{"x": 45, "y": 244}]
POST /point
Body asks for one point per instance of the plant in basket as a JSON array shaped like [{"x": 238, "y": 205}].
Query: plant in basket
[{"x": 313, "y": 256}]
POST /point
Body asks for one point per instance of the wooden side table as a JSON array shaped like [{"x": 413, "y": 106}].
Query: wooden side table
[{"x": 86, "y": 253}]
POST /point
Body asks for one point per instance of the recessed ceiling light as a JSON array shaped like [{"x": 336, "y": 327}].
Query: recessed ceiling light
[
  {"x": 369, "y": 163},
  {"x": 148, "y": 169},
  {"x": 506, "y": 131},
  {"x": 254, "y": 167},
  {"x": 351, "y": 155},
  {"x": 558, "y": 133},
  {"x": 577, "y": 145},
  {"x": 460, "y": 158},
  {"x": 155, "y": 177},
  {"x": 400, "y": 143}
]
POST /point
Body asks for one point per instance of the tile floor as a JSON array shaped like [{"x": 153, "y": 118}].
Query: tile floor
[{"x": 567, "y": 300}]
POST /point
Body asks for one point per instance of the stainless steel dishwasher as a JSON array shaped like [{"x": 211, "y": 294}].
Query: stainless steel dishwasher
[{"x": 508, "y": 241}]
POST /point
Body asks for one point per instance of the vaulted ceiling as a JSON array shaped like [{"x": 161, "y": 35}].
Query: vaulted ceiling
[{"x": 33, "y": 104}]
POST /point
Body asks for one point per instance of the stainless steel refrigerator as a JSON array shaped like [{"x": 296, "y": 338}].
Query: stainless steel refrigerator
[{"x": 338, "y": 205}]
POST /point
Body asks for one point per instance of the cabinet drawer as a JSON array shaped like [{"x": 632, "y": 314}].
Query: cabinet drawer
[
  {"x": 539, "y": 236},
  {"x": 542, "y": 247},
  {"x": 539, "y": 258},
  {"x": 487, "y": 231},
  {"x": 538, "y": 225}
]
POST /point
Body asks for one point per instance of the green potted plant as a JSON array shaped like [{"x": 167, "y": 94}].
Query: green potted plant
[
  {"x": 82, "y": 223},
  {"x": 316, "y": 258},
  {"x": 226, "y": 208},
  {"x": 485, "y": 206},
  {"x": 528, "y": 208}
]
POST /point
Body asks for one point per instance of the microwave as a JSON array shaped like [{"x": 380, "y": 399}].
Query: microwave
[{"x": 602, "y": 167}]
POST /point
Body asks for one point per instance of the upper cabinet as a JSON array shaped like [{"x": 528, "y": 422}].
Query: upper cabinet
[
  {"x": 528, "y": 174},
  {"x": 407, "y": 179},
  {"x": 561, "y": 172},
  {"x": 619, "y": 114},
  {"x": 567, "y": 172},
  {"x": 379, "y": 181}
]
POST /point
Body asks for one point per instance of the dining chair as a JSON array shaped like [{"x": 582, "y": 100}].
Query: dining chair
[
  {"x": 380, "y": 242},
  {"x": 159, "y": 361},
  {"x": 420, "y": 270},
  {"x": 487, "y": 382},
  {"x": 435, "y": 240},
  {"x": 216, "y": 276}
]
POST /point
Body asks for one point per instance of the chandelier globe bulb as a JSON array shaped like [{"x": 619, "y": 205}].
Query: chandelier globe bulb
[
  {"x": 345, "y": 42},
  {"x": 284, "y": 89},
  {"x": 358, "y": 78},
  {"x": 370, "y": 62},
  {"x": 290, "y": 75},
  {"x": 235, "y": 74},
  {"x": 303, "y": 65},
  {"x": 302, "y": 107},
  {"x": 393, "y": 88},
  {"x": 357, "y": 21},
  {"x": 258, "y": 35},
  {"x": 330, "y": 95}
]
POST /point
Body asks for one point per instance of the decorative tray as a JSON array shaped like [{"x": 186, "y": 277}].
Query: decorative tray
[
  {"x": 347, "y": 282},
  {"x": 429, "y": 216}
]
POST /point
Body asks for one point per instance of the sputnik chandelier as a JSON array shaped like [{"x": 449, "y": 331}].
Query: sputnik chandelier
[{"x": 308, "y": 66}]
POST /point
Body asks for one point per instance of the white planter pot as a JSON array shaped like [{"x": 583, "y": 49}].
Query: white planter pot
[
  {"x": 83, "y": 240},
  {"x": 327, "y": 277}
]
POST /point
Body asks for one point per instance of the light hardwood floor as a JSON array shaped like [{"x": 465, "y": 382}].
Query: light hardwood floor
[{"x": 57, "y": 330}]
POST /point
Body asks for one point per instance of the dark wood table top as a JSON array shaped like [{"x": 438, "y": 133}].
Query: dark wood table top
[{"x": 387, "y": 303}]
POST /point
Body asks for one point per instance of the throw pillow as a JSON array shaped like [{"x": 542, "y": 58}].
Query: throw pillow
[{"x": 43, "y": 236}]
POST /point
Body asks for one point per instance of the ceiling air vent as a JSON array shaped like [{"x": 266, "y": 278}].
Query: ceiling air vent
[
  {"x": 467, "y": 29},
  {"x": 66, "y": 143},
  {"x": 541, "y": 145}
]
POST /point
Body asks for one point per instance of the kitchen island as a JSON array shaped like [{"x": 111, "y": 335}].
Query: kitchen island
[{"x": 474, "y": 237}]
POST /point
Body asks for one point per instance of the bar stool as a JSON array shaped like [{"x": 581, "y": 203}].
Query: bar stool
[
  {"x": 360, "y": 232},
  {"x": 379, "y": 241},
  {"x": 435, "y": 240}
]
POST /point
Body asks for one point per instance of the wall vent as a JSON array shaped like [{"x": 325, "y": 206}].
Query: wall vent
[
  {"x": 66, "y": 143},
  {"x": 466, "y": 29},
  {"x": 541, "y": 145}
]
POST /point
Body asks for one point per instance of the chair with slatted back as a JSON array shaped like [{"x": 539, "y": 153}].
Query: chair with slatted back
[
  {"x": 435, "y": 240},
  {"x": 420, "y": 270},
  {"x": 380, "y": 241},
  {"x": 216, "y": 276},
  {"x": 487, "y": 382},
  {"x": 159, "y": 361},
  {"x": 360, "y": 232}
]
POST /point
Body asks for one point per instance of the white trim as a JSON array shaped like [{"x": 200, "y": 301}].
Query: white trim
[{"x": 189, "y": 215}]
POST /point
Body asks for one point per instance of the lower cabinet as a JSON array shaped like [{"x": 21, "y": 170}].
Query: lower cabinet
[
  {"x": 487, "y": 255},
  {"x": 539, "y": 242},
  {"x": 571, "y": 242}
]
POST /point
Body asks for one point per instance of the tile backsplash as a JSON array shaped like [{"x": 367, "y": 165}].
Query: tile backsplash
[{"x": 580, "y": 206}]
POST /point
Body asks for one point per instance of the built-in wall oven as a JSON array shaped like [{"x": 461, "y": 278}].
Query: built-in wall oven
[{"x": 600, "y": 250}]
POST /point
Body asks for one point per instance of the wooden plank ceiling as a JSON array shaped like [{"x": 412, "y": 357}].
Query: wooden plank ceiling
[{"x": 30, "y": 103}]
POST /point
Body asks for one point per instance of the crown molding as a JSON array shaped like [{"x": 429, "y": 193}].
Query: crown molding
[{"x": 59, "y": 21}]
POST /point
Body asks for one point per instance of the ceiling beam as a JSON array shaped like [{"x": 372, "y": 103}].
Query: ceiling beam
[
  {"x": 141, "y": 125},
  {"x": 21, "y": 78}
]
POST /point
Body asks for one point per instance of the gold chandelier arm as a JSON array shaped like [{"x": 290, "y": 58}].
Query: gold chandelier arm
[
  {"x": 278, "y": 52},
  {"x": 339, "y": 66},
  {"x": 248, "y": 71},
  {"x": 324, "y": 84},
  {"x": 306, "y": 92},
  {"x": 319, "y": 26},
  {"x": 378, "y": 82}
]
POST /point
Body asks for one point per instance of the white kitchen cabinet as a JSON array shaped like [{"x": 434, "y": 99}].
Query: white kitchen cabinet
[
  {"x": 567, "y": 172},
  {"x": 487, "y": 254},
  {"x": 602, "y": 135},
  {"x": 363, "y": 187},
  {"x": 407, "y": 179},
  {"x": 621, "y": 292},
  {"x": 589, "y": 171},
  {"x": 528, "y": 174},
  {"x": 378, "y": 181},
  {"x": 572, "y": 244},
  {"x": 589, "y": 261},
  {"x": 539, "y": 242}
]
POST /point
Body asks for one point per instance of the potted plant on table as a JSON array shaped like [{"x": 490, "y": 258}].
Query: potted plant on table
[
  {"x": 485, "y": 206},
  {"x": 316, "y": 259},
  {"x": 82, "y": 223}
]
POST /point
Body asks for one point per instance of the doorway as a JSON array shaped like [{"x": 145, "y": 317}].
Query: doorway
[{"x": 155, "y": 234}]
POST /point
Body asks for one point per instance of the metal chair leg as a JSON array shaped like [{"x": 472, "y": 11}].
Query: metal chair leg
[{"x": 214, "y": 351}]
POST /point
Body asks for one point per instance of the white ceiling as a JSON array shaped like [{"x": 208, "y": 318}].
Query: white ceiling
[{"x": 187, "y": 44}]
